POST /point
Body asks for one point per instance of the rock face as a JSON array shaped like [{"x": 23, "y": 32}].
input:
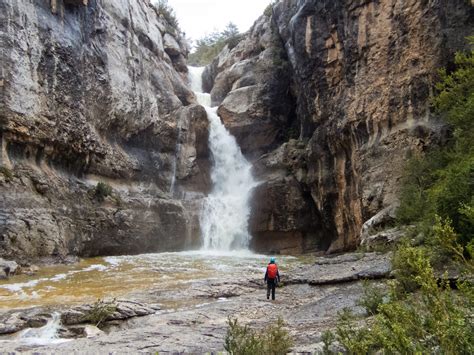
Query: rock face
[
  {"x": 96, "y": 91},
  {"x": 359, "y": 75},
  {"x": 251, "y": 84}
]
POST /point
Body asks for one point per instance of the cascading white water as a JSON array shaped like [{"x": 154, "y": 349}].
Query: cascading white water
[
  {"x": 225, "y": 214},
  {"x": 45, "y": 335}
]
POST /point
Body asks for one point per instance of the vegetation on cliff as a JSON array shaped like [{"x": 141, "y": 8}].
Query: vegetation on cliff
[
  {"x": 442, "y": 182},
  {"x": 163, "y": 9},
  {"x": 428, "y": 307},
  {"x": 209, "y": 47}
]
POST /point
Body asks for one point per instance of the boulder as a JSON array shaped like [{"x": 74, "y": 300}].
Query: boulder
[
  {"x": 91, "y": 331},
  {"x": 12, "y": 323},
  {"x": 7, "y": 268},
  {"x": 380, "y": 220},
  {"x": 382, "y": 238},
  {"x": 171, "y": 46},
  {"x": 123, "y": 310}
]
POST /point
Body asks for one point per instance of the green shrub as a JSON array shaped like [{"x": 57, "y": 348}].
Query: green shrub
[
  {"x": 444, "y": 241},
  {"x": 442, "y": 182},
  {"x": 432, "y": 319},
  {"x": 242, "y": 340},
  {"x": 269, "y": 9},
  {"x": 372, "y": 298},
  {"x": 276, "y": 339},
  {"x": 163, "y": 8},
  {"x": 118, "y": 200},
  {"x": 466, "y": 223},
  {"x": 327, "y": 338},
  {"x": 279, "y": 56},
  {"x": 7, "y": 173},
  {"x": 351, "y": 337},
  {"x": 102, "y": 190},
  {"x": 411, "y": 266},
  {"x": 100, "y": 311},
  {"x": 234, "y": 40}
]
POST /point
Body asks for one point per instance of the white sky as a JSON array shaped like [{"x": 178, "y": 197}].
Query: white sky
[{"x": 200, "y": 17}]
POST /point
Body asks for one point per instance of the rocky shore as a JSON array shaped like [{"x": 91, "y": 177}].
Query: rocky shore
[{"x": 311, "y": 294}]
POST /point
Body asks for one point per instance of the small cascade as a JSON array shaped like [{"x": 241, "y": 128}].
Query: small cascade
[
  {"x": 225, "y": 213},
  {"x": 45, "y": 335}
]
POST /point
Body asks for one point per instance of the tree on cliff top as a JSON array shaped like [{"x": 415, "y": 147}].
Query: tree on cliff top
[
  {"x": 163, "y": 9},
  {"x": 208, "y": 47}
]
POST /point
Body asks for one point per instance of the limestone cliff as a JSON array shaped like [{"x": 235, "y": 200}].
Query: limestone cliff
[
  {"x": 329, "y": 98},
  {"x": 96, "y": 91}
]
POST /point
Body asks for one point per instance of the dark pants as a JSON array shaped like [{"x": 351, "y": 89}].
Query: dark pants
[{"x": 271, "y": 283}]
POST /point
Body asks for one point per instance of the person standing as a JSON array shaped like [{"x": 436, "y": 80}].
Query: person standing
[{"x": 272, "y": 277}]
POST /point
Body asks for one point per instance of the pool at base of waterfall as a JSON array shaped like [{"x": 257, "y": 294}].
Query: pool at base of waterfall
[{"x": 172, "y": 280}]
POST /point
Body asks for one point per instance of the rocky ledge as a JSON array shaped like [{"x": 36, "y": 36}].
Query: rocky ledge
[{"x": 101, "y": 311}]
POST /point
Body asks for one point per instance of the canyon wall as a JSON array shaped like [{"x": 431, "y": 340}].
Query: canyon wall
[
  {"x": 328, "y": 99},
  {"x": 104, "y": 149},
  {"x": 94, "y": 94}
]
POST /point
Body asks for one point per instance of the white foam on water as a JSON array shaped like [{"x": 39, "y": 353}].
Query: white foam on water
[
  {"x": 113, "y": 260},
  {"x": 98, "y": 267},
  {"x": 58, "y": 277},
  {"x": 16, "y": 287},
  {"x": 45, "y": 335}
]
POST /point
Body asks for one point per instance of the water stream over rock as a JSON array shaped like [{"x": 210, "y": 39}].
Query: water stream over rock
[
  {"x": 225, "y": 214},
  {"x": 48, "y": 334}
]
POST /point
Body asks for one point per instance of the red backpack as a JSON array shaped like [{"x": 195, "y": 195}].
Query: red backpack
[{"x": 272, "y": 270}]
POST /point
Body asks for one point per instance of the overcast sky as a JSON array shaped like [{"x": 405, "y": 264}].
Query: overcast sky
[{"x": 200, "y": 17}]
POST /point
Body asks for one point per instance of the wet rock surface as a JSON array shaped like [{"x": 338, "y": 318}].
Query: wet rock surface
[
  {"x": 308, "y": 299},
  {"x": 14, "y": 321}
]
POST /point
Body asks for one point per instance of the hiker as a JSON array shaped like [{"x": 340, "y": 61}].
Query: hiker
[{"x": 272, "y": 277}]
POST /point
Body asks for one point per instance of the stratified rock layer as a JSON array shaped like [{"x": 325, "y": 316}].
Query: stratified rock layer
[
  {"x": 96, "y": 91},
  {"x": 359, "y": 74}
]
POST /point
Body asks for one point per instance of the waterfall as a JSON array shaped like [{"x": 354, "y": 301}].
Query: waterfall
[
  {"x": 225, "y": 212},
  {"x": 45, "y": 335}
]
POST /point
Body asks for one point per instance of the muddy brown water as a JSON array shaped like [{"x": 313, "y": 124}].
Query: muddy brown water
[{"x": 127, "y": 276}]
